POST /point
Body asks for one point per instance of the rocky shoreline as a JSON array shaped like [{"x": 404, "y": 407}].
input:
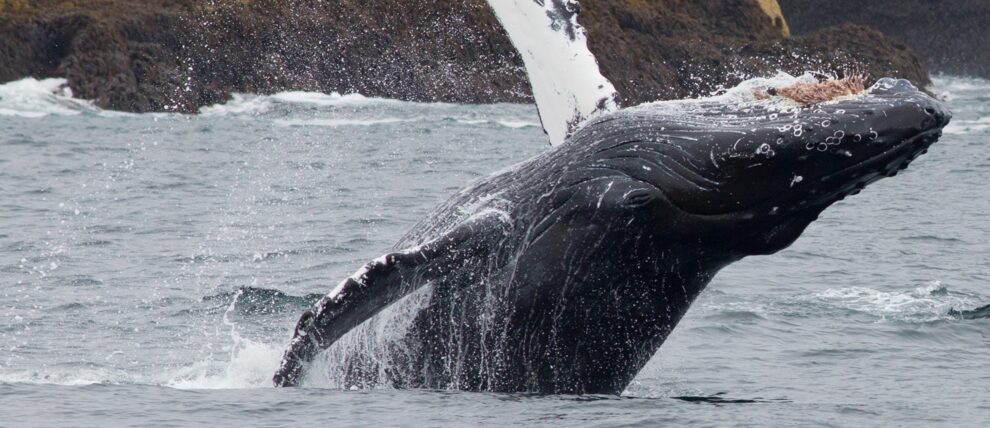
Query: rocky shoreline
[{"x": 180, "y": 55}]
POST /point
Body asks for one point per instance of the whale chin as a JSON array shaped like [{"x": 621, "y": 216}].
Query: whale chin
[{"x": 778, "y": 236}]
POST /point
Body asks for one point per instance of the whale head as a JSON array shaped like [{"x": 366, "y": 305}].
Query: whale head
[
  {"x": 748, "y": 178},
  {"x": 776, "y": 177}
]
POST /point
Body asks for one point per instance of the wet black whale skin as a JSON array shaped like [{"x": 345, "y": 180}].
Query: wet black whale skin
[{"x": 566, "y": 273}]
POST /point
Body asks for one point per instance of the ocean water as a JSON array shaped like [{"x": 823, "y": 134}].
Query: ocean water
[{"x": 152, "y": 266}]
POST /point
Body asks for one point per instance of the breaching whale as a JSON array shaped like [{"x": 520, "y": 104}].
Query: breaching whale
[{"x": 565, "y": 273}]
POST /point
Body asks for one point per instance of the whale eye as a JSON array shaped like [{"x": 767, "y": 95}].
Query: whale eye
[{"x": 639, "y": 198}]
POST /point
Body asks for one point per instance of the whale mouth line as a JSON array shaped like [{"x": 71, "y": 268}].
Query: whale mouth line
[
  {"x": 883, "y": 164},
  {"x": 843, "y": 183},
  {"x": 927, "y": 138},
  {"x": 851, "y": 180}
]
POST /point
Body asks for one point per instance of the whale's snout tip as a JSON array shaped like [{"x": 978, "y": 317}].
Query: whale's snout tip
[
  {"x": 933, "y": 116},
  {"x": 940, "y": 114}
]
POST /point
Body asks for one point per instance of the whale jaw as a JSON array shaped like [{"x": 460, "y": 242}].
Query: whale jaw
[{"x": 787, "y": 219}]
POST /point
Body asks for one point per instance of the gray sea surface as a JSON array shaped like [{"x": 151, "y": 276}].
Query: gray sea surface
[{"x": 152, "y": 266}]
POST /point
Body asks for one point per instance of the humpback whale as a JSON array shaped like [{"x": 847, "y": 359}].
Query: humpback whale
[{"x": 566, "y": 273}]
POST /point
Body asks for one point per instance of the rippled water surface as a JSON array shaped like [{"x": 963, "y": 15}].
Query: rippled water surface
[{"x": 151, "y": 267}]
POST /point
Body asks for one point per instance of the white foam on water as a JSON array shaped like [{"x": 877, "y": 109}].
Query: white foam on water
[
  {"x": 253, "y": 104},
  {"x": 34, "y": 99},
  {"x": 250, "y": 364},
  {"x": 68, "y": 376},
  {"x": 341, "y": 122},
  {"x": 513, "y": 123},
  {"x": 952, "y": 87},
  {"x": 472, "y": 121},
  {"x": 331, "y": 99},
  {"x": 927, "y": 303},
  {"x": 335, "y": 123},
  {"x": 967, "y": 127},
  {"x": 239, "y": 104},
  {"x": 955, "y": 89},
  {"x": 517, "y": 124},
  {"x": 247, "y": 364}
]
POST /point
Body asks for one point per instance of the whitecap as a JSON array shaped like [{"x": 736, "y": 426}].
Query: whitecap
[
  {"x": 254, "y": 104},
  {"x": 334, "y": 123},
  {"x": 517, "y": 124},
  {"x": 251, "y": 363},
  {"x": 239, "y": 104},
  {"x": 928, "y": 303},
  {"x": 951, "y": 87},
  {"x": 472, "y": 121},
  {"x": 967, "y": 127},
  {"x": 331, "y": 99},
  {"x": 33, "y": 99},
  {"x": 66, "y": 376}
]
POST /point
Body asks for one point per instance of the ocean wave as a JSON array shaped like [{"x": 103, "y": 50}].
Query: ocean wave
[
  {"x": 932, "y": 302},
  {"x": 336, "y": 123},
  {"x": 965, "y": 89},
  {"x": 516, "y": 124},
  {"x": 968, "y": 127},
  {"x": 506, "y": 123},
  {"x": 343, "y": 122},
  {"x": 953, "y": 87},
  {"x": 37, "y": 98},
  {"x": 928, "y": 303},
  {"x": 245, "y": 363},
  {"x": 239, "y": 104},
  {"x": 331, "y": 99},
  {"x": 88, "y": 374},
  {"x": 256, "y": 300},
  {"x": 250, "y": 365},
  {"x": 34, "y": 99},
  {"x": 254, "y": 104}
]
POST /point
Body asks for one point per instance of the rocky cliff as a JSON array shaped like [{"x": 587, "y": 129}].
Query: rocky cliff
[
  {"x": 178, "y": 55},
  {"x": 953, "y": 36}
]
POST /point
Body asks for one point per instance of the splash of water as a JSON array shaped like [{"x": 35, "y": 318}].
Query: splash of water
[
  {"x": 249, "y": 363},
  {"x": 34, "y": 99}
]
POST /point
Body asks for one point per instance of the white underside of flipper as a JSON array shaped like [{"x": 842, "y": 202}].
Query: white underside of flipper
[{"x": 567, "y": 85}]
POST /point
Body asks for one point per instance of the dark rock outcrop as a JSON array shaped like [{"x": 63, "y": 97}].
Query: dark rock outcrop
[
  {"x": 178, "y": 55},
  {"x": 122, "y": 55},
  {"x": 953, "y": 36},
  {"x": 682, "y": 48}
]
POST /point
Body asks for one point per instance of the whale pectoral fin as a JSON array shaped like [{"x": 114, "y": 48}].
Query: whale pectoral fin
[
  {"x": 568, "y": 87},
  {"x": 379, "y": 284}
]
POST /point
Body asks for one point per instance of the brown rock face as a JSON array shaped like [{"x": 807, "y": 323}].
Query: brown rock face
[
  {"x": 122, "y": 56},
  {"x": 684, "y": 48},
  {"x": 178, "y": 55},
  {"x": 952, "y": 36}
]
